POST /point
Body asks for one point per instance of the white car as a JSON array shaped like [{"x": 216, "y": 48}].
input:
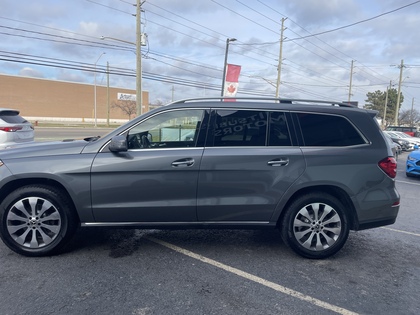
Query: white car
[
  {"x": 407, "y": 137},
  {"x": 401, "y": 135},
  {"x": 14, "y": 129}
]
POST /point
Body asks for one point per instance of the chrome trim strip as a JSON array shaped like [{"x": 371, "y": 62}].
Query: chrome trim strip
[{"x": 151, "y": 224}]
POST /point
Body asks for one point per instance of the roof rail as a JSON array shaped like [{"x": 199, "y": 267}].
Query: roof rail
[{"x": 274, "y": 99}]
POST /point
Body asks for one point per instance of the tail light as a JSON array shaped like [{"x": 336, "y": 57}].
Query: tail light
[
  {"x": 10, "y": 129},
  {"x": 389, "y": 166}
]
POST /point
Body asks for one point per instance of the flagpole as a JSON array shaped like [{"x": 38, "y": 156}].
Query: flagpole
[{"x": 228, "y": 40}]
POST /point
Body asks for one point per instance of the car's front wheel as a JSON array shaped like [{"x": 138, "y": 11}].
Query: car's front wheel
[
  {"x": 36, "y": 220},
  {"x": 315, "y": 225}
]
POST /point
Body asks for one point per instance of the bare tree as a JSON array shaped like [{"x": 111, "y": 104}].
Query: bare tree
[
  {"x": 128, "y": 107},
  {"x": 409, "y": 117}
]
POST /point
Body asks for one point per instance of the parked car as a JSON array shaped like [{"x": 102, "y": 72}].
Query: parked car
[
  {"x": 412, "y": 131},
  {"x": 404, "y": 144},
  {"x": 399, "y": 148},
  {"x": 413, "y": 163},
  {"x": 396, "y": 149},
  {"x": 252, "y": 163},
  {"x": 403, "y": 135},
  {"x": 14, "y": 129},
  {"x": 408, "y": 137},
  {"x": 396, "y": 135}
]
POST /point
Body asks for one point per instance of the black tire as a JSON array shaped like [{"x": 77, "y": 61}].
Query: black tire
[
  {"x": 409, "y": 175},
  {"x": 37, "y": 220},
  {"x": 315, "y": 226}
]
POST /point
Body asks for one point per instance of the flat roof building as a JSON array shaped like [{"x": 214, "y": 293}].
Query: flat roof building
[{"x": 54, "y": 100}]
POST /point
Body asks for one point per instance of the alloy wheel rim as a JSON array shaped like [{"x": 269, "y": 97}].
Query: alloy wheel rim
[
  {"x": 317, "y": 226},
  {"x": 33, "y": 222}
]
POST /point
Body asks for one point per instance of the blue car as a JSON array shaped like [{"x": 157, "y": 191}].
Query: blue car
[{"x": 413, "y": 163}]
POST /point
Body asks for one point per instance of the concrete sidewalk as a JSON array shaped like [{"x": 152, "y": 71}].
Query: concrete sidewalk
[{"x": 75, "y": 122}]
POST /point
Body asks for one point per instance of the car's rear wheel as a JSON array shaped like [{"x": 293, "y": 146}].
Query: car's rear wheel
[
  {"x": 36, "y": 220},
  {"x": 315, "y": 225}
]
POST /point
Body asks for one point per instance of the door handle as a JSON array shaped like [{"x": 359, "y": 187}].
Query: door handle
[
  {"x": 278, "y": 162},
  {"x": 183, "y": 162}
]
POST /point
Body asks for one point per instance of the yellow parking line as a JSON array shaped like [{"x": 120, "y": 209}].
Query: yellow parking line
[{"x": 256, "y": 279}]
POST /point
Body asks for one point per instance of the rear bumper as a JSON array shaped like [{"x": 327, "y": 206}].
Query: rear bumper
[
  {"x": 378, "y": 208},
  {"x": 375, "y": 224}
]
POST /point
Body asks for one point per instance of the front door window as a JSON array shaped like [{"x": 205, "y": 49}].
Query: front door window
[{"x": 174, "y": 129}]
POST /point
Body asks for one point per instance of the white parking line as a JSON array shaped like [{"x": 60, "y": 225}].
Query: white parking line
[
  {"x": 256, "y": 279},
  {"x": 411, "y": 183},
  {"x": 400, "y": 231}
]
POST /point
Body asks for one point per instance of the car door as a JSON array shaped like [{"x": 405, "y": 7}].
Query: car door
[
  {"x": 247, "y": 166},
  {"x": 155, "y": 180}
]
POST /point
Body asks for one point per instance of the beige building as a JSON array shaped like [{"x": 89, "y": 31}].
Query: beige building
[{"x": 40, "y": 99}]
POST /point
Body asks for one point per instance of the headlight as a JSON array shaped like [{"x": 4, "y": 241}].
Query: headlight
[{"x": 412, "y": 159}]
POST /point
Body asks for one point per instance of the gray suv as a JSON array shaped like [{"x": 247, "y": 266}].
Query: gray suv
[{"x": 312, "y": 169}]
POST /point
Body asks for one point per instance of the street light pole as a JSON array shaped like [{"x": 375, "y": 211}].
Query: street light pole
[
  {"x": 139, "y": 99},
  {"x": 228, "y": 40},
  {"x": 94, "y": 93}
]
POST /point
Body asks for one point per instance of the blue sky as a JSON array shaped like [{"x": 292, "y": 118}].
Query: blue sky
[{"x": 187, "y": 39}]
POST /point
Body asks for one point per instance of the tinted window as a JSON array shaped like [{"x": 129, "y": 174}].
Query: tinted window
[
  {"x": 278, "y": 130},
  {"x": 240, "y": 128},
  {"x": 12, "y": 117},
  {"x": 167, "y": 130},
  {"x": 328, "y": 130}
]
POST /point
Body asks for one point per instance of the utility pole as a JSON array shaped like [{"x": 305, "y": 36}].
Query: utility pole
[
  {"x": 139, "y": 99},
  {"x": 351, "y": 79},
  {"x": 280, "y": 57},
  {"x": 397, "y": 106},
  {"x": 386, "y": 104},
  {"x": 107, "y": 94},
  {"x": 94, "y": 109},
  {"x": 412, "y": 113}
]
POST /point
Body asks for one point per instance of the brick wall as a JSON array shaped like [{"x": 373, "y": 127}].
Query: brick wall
[{"x": 47, "y": 98}]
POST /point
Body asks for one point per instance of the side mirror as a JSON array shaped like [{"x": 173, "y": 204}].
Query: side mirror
[
  {"x": 118, "y": 144},
  {"x": 416, "y": 147}
]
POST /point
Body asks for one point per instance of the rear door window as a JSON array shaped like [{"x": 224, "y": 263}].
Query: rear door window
[
  {"x": 278, "y": 130},
  {"x": 250, "y": 128},
  {"x": 240, "y": 128}
]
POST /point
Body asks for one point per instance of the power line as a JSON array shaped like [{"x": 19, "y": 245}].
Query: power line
[
  {"x": 314, "y": 35},
  {"x": 109, "y": 7},
  {"x": 356, "y": 23}
]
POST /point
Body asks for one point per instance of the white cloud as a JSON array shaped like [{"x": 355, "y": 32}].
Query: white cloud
[
  {"x": 187, "y": 41},
  {"x": 30, "y": 72}
]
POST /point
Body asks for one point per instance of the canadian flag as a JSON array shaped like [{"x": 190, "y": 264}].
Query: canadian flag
[{"x": 231, "y": 80}]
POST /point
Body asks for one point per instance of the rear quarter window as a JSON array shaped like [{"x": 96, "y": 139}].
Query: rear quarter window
[{"x": 328, "y": 130}]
